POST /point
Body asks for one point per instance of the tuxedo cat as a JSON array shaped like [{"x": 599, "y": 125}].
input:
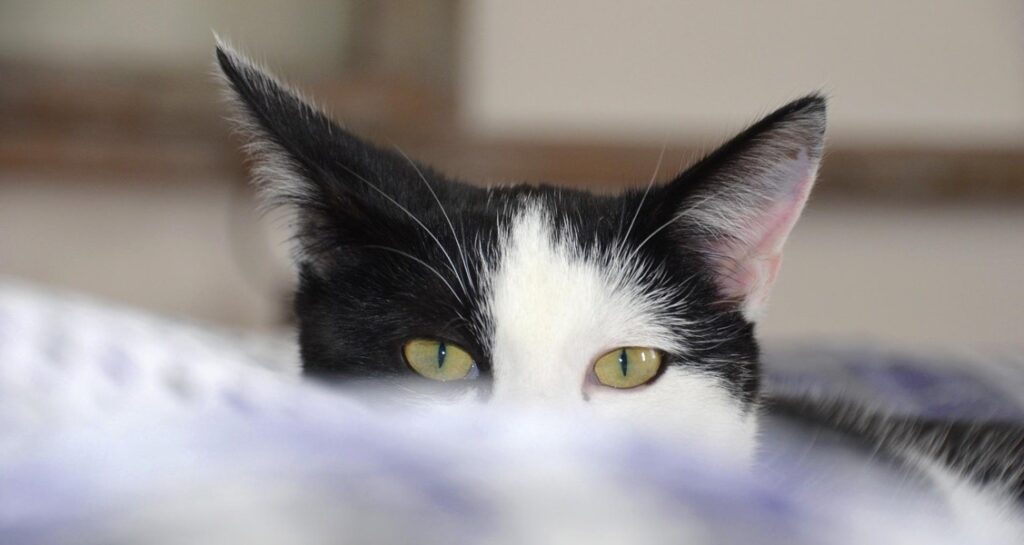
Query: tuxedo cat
[{"x": 639, "y": 306}]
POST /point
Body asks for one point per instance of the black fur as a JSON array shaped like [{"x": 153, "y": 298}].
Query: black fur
[{"x": 988, "y": 453}]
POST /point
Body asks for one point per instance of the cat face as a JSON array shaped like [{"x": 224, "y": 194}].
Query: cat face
[{"x": 635, "y": 306}]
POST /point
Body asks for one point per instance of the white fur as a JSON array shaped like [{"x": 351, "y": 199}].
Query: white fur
[
  {"x": 555, "y": 311},
  {"x": 984, "y": 512}
]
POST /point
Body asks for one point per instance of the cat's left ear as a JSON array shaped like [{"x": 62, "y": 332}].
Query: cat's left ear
[
  {"x": 738, "y": 205},
  {"x": 342, "y": 192}
]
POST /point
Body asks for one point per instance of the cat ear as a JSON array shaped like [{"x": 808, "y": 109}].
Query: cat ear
[
  {"x": 738, "y": 205},
  {"x": 329, "y": 179}
]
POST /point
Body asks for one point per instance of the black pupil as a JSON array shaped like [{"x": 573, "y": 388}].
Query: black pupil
[
  {"x": 623, "y": 361},
  {"x": 442, "y": 351}
]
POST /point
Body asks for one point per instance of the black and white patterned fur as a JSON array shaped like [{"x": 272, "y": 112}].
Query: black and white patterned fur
[{"x": 536, "y": 281}]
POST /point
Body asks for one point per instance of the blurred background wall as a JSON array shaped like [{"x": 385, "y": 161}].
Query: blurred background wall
[
  {"x": 170, "y": 35},
  {"x": 119, "y": 176},
  {"x": 937, "y": 72}
]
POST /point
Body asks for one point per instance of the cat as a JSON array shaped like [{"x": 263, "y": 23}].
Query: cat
[{"x": 639, "y": 305}]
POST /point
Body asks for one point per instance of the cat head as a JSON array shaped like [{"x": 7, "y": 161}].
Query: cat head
[{"x": 639, "y": 305}]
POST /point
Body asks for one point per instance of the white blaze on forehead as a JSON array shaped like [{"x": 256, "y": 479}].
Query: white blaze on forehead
[{"x": 555, "y": 310}]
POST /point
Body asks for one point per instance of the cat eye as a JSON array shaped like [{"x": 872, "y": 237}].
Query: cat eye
[
  {"x": 628, "y": 367},
  {"x": 438, "y": 360}
]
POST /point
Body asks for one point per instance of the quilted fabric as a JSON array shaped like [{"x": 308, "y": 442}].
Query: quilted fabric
[{"x": 120, "y": 427}]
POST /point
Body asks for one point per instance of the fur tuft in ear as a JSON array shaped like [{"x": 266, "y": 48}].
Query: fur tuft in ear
[
  {"x": 296, "y": 152},
  {"x": 276, "y": 121},
  {"x": 740, "y": 202},
  {"x": 338, "y": 188}
]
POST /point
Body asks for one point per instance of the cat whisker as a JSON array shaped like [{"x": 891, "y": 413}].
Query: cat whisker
[
  {"x": 663, "y": 226},
  {"x": 451, "y": 263},
  {"x": 421, "y": 262},
  {"x": 640, "y": 246},
  {"x": 447, "y": 218},
  {"x": 650, "y": 183}
]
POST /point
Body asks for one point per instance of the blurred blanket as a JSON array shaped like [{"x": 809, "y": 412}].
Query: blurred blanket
[{"x": 120, "y": 427}]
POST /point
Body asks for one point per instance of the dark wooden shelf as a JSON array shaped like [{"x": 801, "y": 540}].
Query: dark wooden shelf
[{"x": 67, "y": 123}]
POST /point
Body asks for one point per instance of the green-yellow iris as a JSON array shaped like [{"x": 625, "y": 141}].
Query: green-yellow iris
[
  {"x": 437, "y": 359},
  {"x": 627, "y": 367}
]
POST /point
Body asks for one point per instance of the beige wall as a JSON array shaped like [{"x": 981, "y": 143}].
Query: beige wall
[
  {"x": 185, "y": 249},
  {"x": 931, "y": 72},
  {"x": 938, "y": 276},
  {"x": 178, "y": 33}
]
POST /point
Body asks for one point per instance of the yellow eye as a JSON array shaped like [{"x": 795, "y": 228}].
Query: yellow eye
[
  {"x": 437, "y": 360},
  {"x": 627, "y": 367}
]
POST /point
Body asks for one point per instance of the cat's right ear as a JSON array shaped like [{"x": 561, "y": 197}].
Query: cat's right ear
[
  {"x": 302, "y": 160},
  {"x": 737, "y": 206}
]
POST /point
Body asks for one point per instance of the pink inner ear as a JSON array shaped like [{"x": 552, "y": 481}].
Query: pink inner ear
[{"x": 751, "y": 261}]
